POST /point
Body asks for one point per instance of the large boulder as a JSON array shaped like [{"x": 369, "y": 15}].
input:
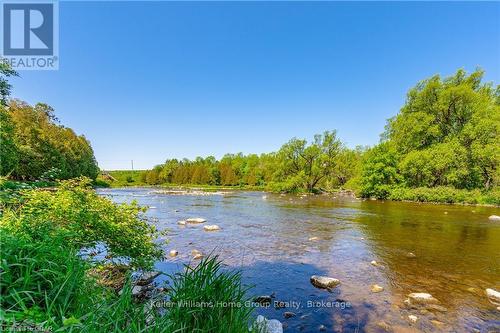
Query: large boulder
[{"x": 324, "y": 282}]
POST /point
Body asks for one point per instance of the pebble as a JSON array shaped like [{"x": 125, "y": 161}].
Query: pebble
[
  {"x": 413, "y": 318},
  {"x": 173, "y": 253},
  {"x": 376, "y": 288}
]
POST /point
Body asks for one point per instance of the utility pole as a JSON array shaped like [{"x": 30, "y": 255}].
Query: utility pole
[{"x": 132, "y": 164}]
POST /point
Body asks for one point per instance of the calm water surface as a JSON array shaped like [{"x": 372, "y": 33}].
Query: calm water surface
[{"x": 267, "y": 236}]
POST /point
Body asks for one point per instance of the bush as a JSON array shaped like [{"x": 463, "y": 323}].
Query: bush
[
  {"x": 84, "y": 219},
  {"x": 444, "y": 194}
]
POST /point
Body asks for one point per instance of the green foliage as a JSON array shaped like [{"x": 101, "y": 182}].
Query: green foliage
[
  {"x": 296, "y": 167},
  {"x": 33, "y": 142},
  {"x": 445, "y": 136},
  {"x": 5, "y": 72},
  {"x": 84, "y": 219},
  {"x": 445, "y": 194},
  {"x": 221, "y": 294}
]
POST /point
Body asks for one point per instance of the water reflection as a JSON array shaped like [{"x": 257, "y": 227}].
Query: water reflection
[{"x": 280, "y": 241}]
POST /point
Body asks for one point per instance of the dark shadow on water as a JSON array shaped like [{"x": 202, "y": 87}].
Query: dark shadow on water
[{"x": 288, "y": 283}]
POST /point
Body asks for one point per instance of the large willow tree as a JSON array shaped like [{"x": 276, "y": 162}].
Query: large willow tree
[{"x": 446, "y": 134}]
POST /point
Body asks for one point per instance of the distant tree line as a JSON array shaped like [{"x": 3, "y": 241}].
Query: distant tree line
[
  {"x": 34, "y": 145},
  {"x": 324, "y": 163},
  {"x": 446, "y": 135}
]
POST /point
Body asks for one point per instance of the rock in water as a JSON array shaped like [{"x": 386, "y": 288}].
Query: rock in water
[
  {"x": 212, "y": 227},
  {"x": 413, "y": 318},
  {"x": 411, "y": 255},
  {"x": 146, "y": 278},
  {"x": 196, "y": 220},
  {"x": 264, "y": 325},
  {"x": 263, "y": 299},
  {"x": 493, "y": 296},
  {"x": 173, "y": 253},
  {"x": 374, "y": 263},
  {"x": 422, "y": 298},
  {"x": 494, "y": 218},
  {"x": 314, "y": 238},
  {"x": 182, "y": 222},
  {"x": 288, "y": 314},
  {"x": 324, "y": 282},
  {"x": 376, "y": 288}
]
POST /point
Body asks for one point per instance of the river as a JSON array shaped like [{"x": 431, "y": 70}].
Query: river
[{"x": 279, "y": 241}]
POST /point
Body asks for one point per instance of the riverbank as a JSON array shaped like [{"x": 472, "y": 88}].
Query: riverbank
[{"x": 73, "y": 260}]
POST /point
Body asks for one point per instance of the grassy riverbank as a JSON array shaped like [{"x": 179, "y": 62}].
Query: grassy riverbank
[{"x": 46, "y": 283}]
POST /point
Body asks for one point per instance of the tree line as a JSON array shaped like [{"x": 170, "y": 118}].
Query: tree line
[
  {"x": 34, "y": 145},
  {"x": 445, "y": 135}
]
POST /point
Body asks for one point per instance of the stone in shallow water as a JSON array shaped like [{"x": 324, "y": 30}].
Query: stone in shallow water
[
  {"x": 263, "y": 299},
  {"x": 374, "y": 263},
  {"x": 324, "y": 282},
  {"x": 413, "y": 318},
  {"x": 196, "y": 220},
  {"x": 173, "y": 253},
  {"x": 422, "y": 298},
  {"x": 146, "y": 278},
  {"x": 288, "y": 314},
  {"x": 494, "y": 218},
  {"x": 212, "y": 227},
  {"x": 493, "y": 296},
  {"x": 181, "y": 222},
  {"x": 314, "y": 238},
  {"x": 410, "y": 255},
  {"x": 376, "y": 288},
  {"x": 264, "y": 325}
]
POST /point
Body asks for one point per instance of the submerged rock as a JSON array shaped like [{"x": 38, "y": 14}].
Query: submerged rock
[
  {"x": 435, "y": 307},
  {"x": 181, "y": 222},
  {"x": 322, "y": 328},
  {"x": 288, "y": 314},
  {"x": 212, "y": 227},
  {"x": 263, "y": 325},
  {"x": 314, "y": 238},
  {"x": 493, "y": 296},
  {"x": 196, "y": 254},
  {"x": 376, "y": 288},
  {"x": 374, "y": 263},
  {"x": 264, "y": 299},
  {"x": 324, "y": 282},
  {"x": 410, "y": 255},
  {"x": 146, "y": 278},
  {"x": 494, "y": 218},
  {"x": 173, "y": 253},
  {"x": 413, "y": 318},
  {"x": 422, "y": 298},
  {"x": 196, "y": 220}
]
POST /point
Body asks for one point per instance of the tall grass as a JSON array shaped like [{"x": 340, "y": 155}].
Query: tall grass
[{"x": 207, "y": 299}]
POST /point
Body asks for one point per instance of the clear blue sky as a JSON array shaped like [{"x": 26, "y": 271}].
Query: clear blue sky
[{"x": 154, "y": 80}]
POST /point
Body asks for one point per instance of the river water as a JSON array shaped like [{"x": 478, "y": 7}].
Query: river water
[{"x": 279, "y": 241}]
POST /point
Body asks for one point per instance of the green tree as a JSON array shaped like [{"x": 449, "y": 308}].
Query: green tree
[
  {"x": 5, "y": 72},
  {"x": 309, "y": 164}
]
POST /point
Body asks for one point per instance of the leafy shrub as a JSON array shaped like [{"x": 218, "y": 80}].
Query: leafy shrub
[
  {"x": 76, "y": 213},
  {"x": 444, "y": 194}
]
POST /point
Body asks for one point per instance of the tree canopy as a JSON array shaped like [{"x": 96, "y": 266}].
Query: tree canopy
[{"x": 446, "y": 134}]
